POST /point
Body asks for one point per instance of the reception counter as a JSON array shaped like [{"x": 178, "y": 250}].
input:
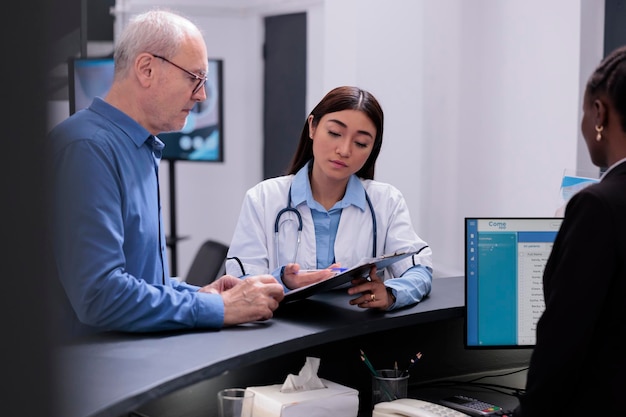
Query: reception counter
[{"x": 114, "y": 374}]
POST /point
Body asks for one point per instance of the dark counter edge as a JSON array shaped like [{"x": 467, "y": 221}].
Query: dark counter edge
[
  {"x": 452, "y": 307},
  {"x": 220, "y": 368}
]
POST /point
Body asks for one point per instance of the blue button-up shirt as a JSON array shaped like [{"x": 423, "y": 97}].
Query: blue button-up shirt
[{"x": 107, "y": 232}]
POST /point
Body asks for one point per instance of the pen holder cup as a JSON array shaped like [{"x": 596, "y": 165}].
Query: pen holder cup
[{"x": 389, "y": 385}]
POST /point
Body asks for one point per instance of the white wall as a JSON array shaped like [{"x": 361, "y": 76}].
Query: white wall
[{"x": 481, "y": 99}]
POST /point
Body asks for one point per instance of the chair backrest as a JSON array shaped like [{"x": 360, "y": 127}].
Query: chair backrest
[{"x": 208, "y": 264}]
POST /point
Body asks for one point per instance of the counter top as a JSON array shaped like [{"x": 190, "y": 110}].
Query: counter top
[{"x": 111, "y": 374}]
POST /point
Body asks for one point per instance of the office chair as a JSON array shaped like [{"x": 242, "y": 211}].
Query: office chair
[{"x": 208, "y": 264}]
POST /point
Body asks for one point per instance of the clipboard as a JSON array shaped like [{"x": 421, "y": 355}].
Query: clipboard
[{"x": 360, "y": 270}]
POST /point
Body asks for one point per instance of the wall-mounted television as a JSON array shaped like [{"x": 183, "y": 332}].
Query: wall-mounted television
[{"x": 202, "y": 137}]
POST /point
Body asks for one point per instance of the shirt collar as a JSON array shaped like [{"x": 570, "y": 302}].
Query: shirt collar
[
  {"x": 128, "y": 125},
  {"x": 613, "y": 166},
  {"x": 301, "y": 191}
]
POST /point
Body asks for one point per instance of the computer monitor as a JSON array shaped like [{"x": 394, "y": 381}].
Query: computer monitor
[
  {"x": 202, "y": 137},
  {"x": 88, "y": 78},
  {"x": 504, "y": 262}
]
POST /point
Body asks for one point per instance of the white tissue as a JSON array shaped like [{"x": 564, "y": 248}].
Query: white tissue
[{"x": 306, "y": 379}]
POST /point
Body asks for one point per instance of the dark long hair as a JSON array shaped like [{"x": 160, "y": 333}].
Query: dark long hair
[
  {"x": 338, "y": 99},
  {"x": 610, "y": 79}
]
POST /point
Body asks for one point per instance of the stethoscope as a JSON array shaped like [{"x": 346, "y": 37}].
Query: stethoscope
[{"x": 290, "y": 209}]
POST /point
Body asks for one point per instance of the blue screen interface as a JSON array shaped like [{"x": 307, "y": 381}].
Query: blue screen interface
[{"x": 504, "y": 263}]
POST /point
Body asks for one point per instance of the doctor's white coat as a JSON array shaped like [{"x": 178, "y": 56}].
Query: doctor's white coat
[{"x": 261, "y": 252}]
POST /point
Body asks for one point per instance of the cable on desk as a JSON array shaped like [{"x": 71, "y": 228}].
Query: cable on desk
[
  {"x": 498, "y": 375},
  {"x": 502, "y": 389}
]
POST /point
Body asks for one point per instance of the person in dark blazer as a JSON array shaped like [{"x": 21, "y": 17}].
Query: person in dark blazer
[{"x": 578, "y": 366}]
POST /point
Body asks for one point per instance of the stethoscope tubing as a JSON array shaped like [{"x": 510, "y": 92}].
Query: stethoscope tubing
[{"x": 290, "y": 209}]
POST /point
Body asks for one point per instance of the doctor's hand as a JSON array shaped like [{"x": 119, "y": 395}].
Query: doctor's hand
[
  {"x": 372, "y": 292},
  {"x": 294, "y": 278},
  {"x": 254, "y": 298}
]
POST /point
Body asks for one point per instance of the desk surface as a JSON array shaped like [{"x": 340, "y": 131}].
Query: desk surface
[{"x": 112, "y": 374}]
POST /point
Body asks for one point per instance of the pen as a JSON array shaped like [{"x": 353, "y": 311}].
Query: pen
[
  {"x": 383, "y": 384},
  {"x": 413, "y": 361},
  {"x": 368, "y": 363},
  {"x": 338, "y": 270}
]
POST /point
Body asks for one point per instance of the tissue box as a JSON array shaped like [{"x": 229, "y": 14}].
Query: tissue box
[{"x": 335, "y": 400}]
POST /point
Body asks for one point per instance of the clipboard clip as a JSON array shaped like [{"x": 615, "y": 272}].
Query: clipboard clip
[{"x": 391, "y": 255}]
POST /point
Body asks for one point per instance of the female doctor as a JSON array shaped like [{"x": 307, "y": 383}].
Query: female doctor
[{"x": 328, "y": 211}]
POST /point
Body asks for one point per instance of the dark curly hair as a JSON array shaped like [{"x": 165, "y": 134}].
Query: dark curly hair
[{"x": 609, "y": 79}]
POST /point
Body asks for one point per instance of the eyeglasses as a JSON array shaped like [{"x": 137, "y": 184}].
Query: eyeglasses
[{"x": 201, "y": 79}]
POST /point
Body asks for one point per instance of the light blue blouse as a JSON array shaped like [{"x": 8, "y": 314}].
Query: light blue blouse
[{"x": 410, "y": 288}]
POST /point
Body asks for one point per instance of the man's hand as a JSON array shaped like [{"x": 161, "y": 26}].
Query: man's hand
[
  {"x": 250, "y": 299},
  {"x": 225, "y": 282}
]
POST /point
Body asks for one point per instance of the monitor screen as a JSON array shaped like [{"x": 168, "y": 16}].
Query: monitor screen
[
  {"x": 88, "y": 78},
  {"x": 201, "y": 139},
  {"x": 504, "y": 263}
]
